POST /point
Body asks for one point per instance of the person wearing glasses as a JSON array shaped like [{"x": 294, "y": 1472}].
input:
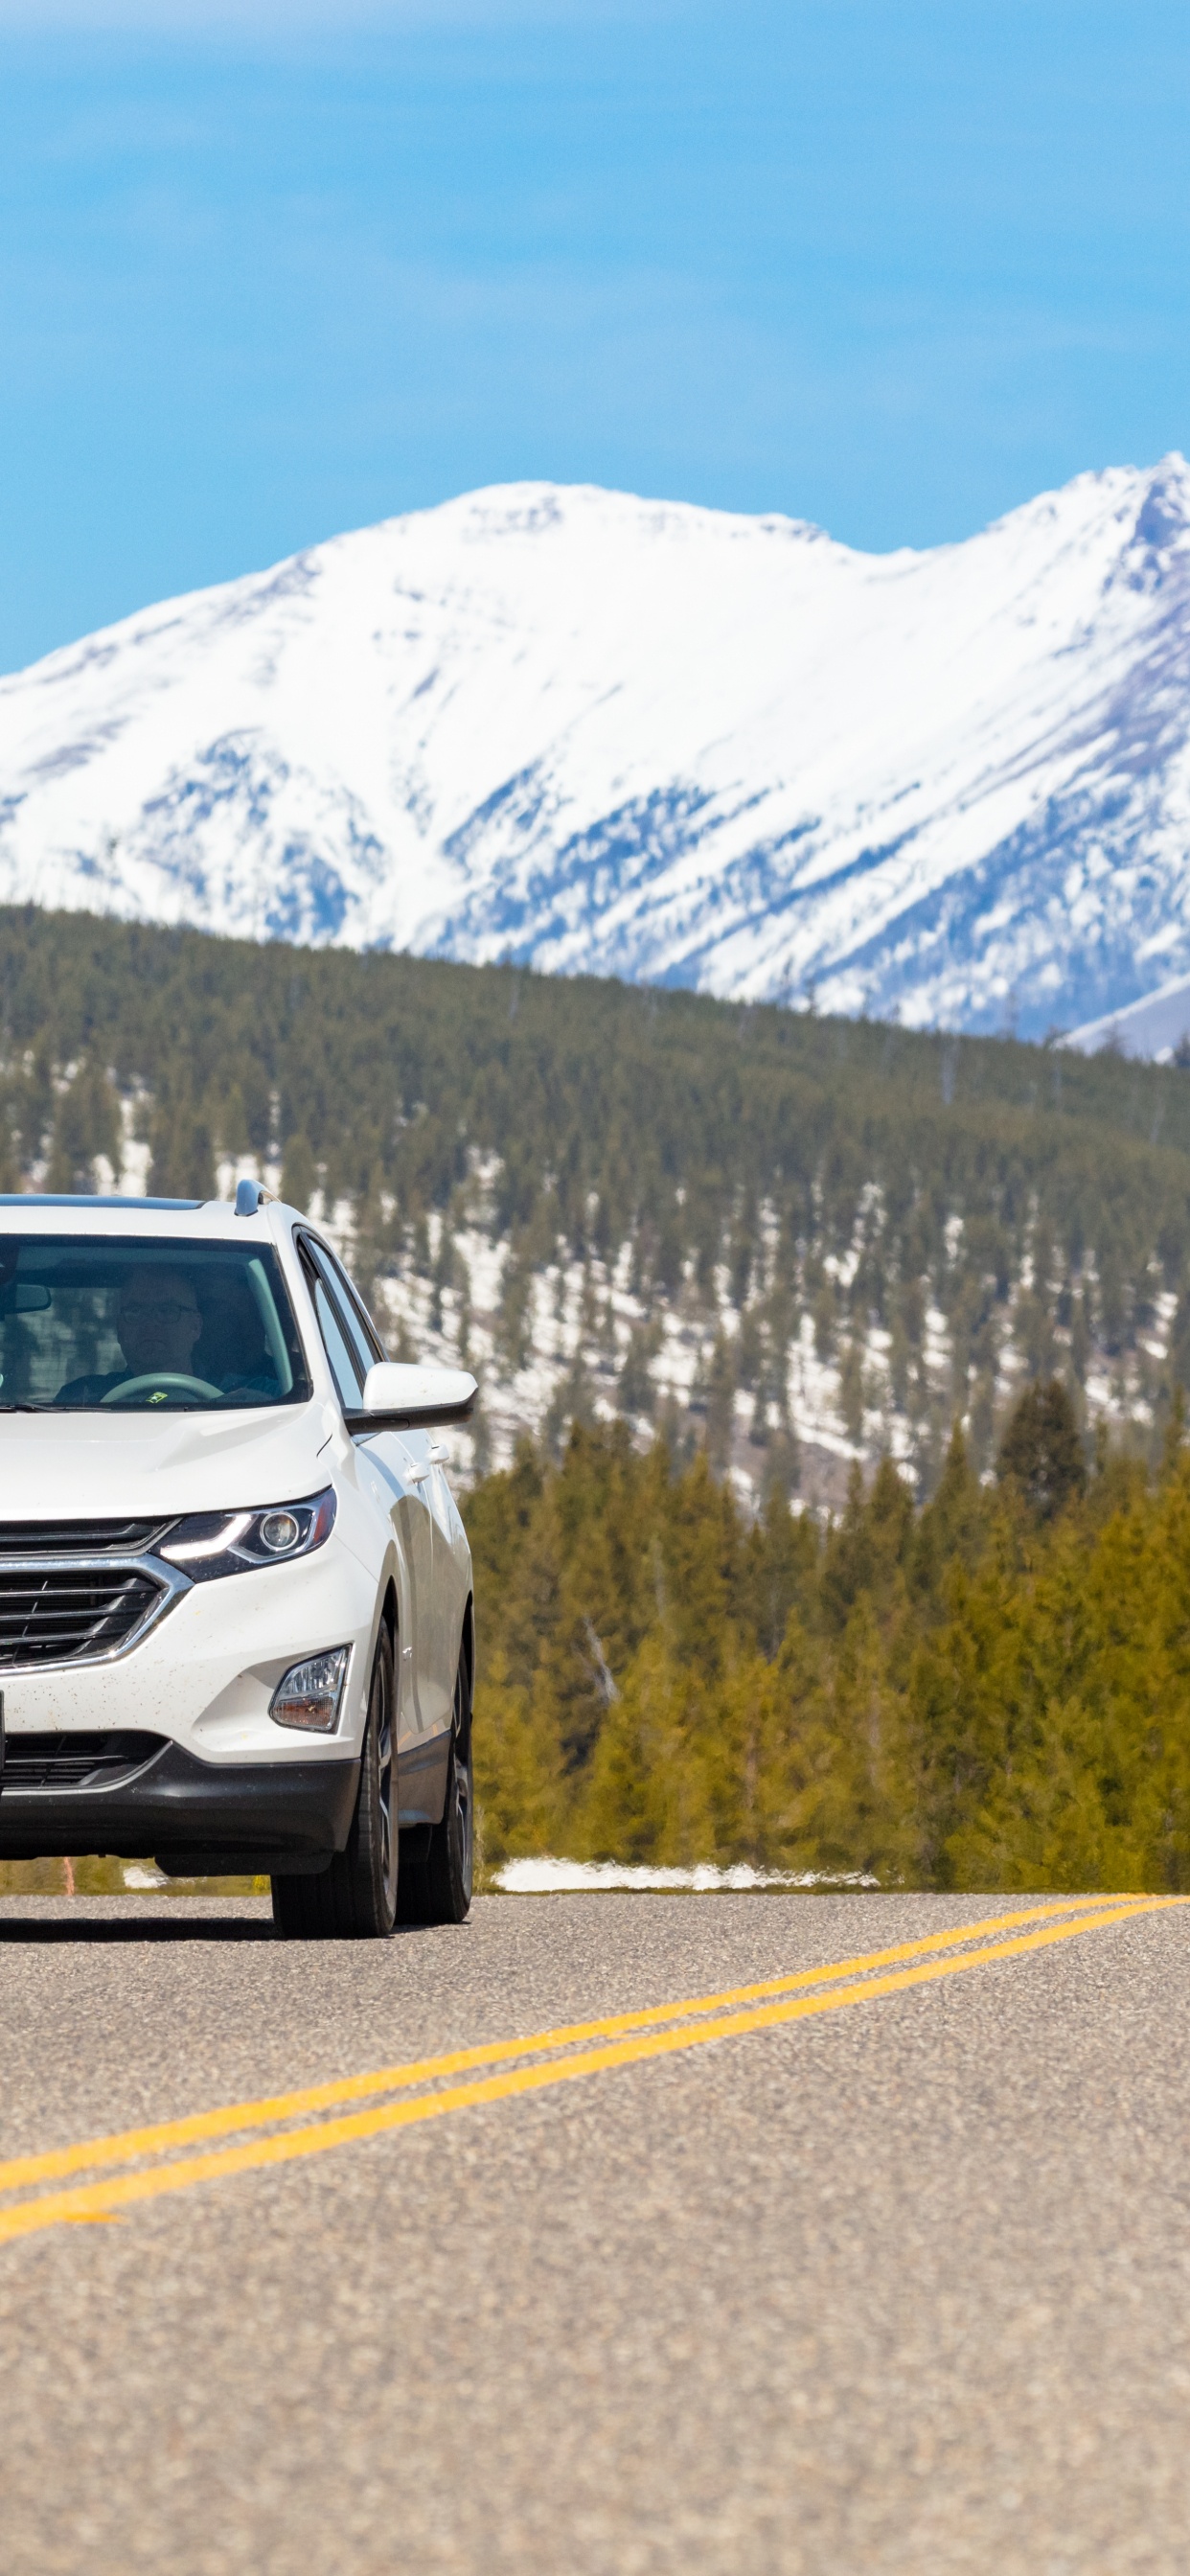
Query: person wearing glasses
[{"x": 157, "y": 1325}]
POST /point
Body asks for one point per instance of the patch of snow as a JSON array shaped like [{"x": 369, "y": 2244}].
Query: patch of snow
[{"x": 598, "y": 1877}]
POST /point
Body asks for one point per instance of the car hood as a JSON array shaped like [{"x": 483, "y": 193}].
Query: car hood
[{"x": 87, "y": 1466}]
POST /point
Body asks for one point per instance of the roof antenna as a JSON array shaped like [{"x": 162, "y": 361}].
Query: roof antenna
[{"x": 250, "y": 1197}]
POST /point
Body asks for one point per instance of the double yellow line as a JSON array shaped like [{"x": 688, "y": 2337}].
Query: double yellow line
[{"x": 662, "y": 2030}]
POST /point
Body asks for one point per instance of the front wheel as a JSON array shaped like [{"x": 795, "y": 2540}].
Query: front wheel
[
  {"x": 356, "y": 1897},
  {"x": 437, "y": 1889}
]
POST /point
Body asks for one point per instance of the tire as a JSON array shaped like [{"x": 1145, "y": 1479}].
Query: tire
[
  {"x": 355, "y": 1899},
  {"x": 437, "y": 1888}
]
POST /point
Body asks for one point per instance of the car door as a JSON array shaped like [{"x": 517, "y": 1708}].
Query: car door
[
  {"x": 425, "y": 1457},
  {"x": 393, "y": 1471}
]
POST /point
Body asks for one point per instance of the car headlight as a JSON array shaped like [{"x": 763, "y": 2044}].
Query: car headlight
[{"x": 209, "y": 1543}]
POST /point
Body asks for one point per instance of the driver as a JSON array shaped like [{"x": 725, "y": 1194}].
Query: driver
[
  {"x": 157, "y": 1325},
  {"x": 158, "y": 1322}
]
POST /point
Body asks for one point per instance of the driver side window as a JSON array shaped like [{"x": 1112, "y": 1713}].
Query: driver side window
[{"x": 343, "y": 1368}]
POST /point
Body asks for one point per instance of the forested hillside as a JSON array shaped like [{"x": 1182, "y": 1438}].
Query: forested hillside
[
  {"x": 792, "y": 1241},
  {"x": 989, "y": 1693}
]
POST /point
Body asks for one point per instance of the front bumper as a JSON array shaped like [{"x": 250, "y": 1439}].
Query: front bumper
[
  {"x": 194, "y": 1818},
  {"x": 206, "y": 1670}
]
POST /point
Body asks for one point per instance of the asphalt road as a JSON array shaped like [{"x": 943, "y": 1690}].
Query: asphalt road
[{"x": 895, "y": 2275}]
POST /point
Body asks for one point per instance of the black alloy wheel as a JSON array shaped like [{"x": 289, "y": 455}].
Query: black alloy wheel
[
  {"x": 355, "y": 1897},
  {"x": 437, "y": 1887}
]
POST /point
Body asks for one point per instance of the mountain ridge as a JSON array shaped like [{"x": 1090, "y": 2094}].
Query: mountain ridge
[{"x": 594, "y": 733}]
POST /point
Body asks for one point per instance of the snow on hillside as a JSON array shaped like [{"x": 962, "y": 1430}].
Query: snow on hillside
[
  {"x": 841, "y": 1404},
  {"x": 1156, "y": 1027},
  {"x": 597, "y": 733}
]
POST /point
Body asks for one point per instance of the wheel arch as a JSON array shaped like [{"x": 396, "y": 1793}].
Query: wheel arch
[{"x": 468, "y": 1649}]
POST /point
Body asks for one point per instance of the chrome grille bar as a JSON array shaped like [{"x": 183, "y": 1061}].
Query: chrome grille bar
[{"x": 79, "y": 1609}]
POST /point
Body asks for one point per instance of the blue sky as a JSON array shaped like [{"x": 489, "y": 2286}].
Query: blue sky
[{"x": 268, "y": 272}]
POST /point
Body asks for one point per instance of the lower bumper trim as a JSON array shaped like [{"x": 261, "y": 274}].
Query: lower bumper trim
[{"x": 194, "y": 1818}]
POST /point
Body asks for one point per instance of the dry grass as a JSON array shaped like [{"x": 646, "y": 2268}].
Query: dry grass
[{"x": 90, "y": 1876}]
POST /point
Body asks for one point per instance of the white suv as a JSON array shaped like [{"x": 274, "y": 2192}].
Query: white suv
[{"x": 236, "y": 1625}]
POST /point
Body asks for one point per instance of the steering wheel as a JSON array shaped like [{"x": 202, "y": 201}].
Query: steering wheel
[{"x": 169, "y": 1380}]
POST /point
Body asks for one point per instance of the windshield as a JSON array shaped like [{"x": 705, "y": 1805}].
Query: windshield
[{"x": 94, "y": 1321}]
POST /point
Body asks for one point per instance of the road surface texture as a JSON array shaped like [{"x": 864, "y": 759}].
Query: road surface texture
[{"x": 884, "y": 2270}]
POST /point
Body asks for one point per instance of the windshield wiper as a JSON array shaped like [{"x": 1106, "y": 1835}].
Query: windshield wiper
[{"x": 27, "y": 1408}]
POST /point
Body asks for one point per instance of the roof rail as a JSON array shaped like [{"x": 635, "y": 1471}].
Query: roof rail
[
  {"x": 250, "y": 1197},
  {"x": 87, "y": 1199}
]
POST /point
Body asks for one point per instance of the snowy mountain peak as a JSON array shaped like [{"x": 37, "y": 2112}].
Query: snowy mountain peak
[
  {"x": 602, "y": 733},
  {"x": 1163, "y": 518}
]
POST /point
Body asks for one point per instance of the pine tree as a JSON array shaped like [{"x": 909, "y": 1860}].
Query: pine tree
[{"x": 1041, "y": 1453}]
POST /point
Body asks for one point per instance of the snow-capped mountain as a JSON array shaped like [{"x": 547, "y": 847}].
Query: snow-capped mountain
[{"x": 594, "y": 732}]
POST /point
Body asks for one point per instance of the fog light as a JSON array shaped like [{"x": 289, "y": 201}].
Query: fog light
[{"x": 309, "y": 1694}]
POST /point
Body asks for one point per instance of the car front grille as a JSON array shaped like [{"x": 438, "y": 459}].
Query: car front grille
[
  {"x": 77, "y": 1538},
  {"x": 94, "y": 1761},
  {"x": 72, "y": 1613}
]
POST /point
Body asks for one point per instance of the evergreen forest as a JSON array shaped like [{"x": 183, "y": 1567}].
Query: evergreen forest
[
  {"x": 830, "y": 1498},
  {"x": 794, "y": 1242},
  {"x": 991, "y": 1692}
]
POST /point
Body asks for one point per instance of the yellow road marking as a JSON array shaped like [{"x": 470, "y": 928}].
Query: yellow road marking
[
  {"x": 95, "y": 2200},
  {"x": 56, "y": 2162}
]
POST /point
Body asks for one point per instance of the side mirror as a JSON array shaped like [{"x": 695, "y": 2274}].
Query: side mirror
[{"x": 398, "y": 1397}]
